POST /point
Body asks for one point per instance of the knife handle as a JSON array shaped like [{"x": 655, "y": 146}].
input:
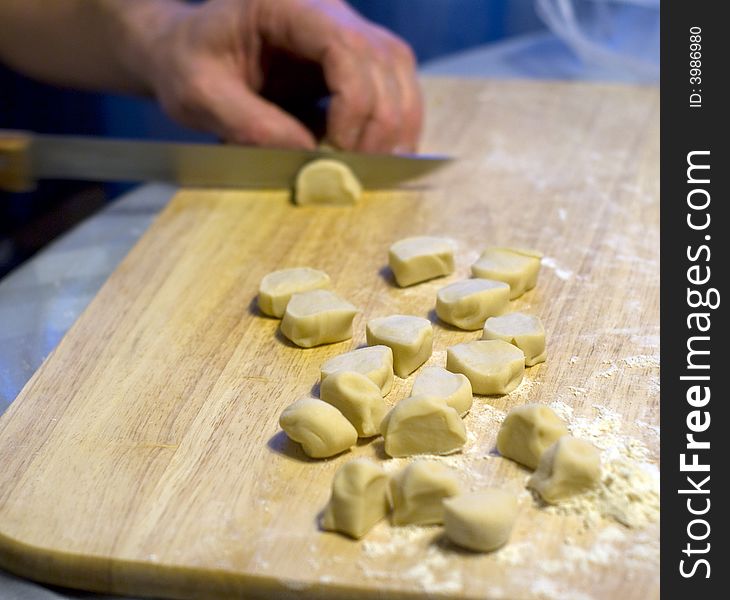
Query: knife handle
[{"x": 15, "y": 161}]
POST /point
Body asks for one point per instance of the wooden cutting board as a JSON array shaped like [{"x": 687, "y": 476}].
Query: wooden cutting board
[{"x": 144, "y": 456}]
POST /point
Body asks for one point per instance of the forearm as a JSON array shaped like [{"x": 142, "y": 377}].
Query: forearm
[{"x": 91, "y": 44}]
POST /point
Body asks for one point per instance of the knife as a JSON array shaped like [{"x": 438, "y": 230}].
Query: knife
[{"x": 26, "y": 157}]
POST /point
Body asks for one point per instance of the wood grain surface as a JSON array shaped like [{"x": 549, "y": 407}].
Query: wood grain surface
[{"x": 144, "y": 457}]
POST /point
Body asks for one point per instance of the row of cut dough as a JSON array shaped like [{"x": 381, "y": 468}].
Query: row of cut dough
[
  {"x": 353, "y": 386},
  {"x": 310, "y": 313},
  {"x": 351, "y": 406},
  {"x": 426, "y": 492},
  {"x": 313, "y": 315},
  {"x": 534, "y": 436},
  {"x": 423, "y": 493},
  {"x": 416, "y": 259}
]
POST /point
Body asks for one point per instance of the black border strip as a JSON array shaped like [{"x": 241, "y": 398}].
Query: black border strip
[{"x": 694, "y": 191}]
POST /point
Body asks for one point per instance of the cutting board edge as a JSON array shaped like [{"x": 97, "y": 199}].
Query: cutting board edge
[{"x": 155, "y": 580}]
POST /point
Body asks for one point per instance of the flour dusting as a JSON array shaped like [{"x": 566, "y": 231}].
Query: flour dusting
[
  {"x": 551, "y": 263},
  {"x": 434, "y": 571},
  {"x": 629, "y": 488},
  {"x": 642, "y": 361}
]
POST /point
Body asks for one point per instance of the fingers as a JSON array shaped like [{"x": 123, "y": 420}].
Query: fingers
[
  {"x": 411, "y": 98},
  {"x": 222, "y": 104},
  {"x": 394, "y": 123},
  {"x": 210, "y": 71},
  {"x": 376, "y": 103},
  {"x": 381, "y": 131},
  {"x": 354, "y": 95},
  {"x": 241, "y": 116}
]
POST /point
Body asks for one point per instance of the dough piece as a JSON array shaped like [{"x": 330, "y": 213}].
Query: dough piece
[
  {"x": 410, "y": 339},
  {"x": 493, "y": 367},
  {"x": 358, "y": 398},
  {"x": 454, "y": 388},
  {"x": 524, "y": 331},
  {"x": 422, "y": 425},
  {"x": 467, "y": 304},
  {"x": 480, "y": 521},
  {"x": 277, "y": 287},
  {"x": 359, "y": 498},
  {"x": 527, "y": 431},
  {"x": 418, "y": 259},
  {"x": 376, "y": 362},
  {"x": 568, "y": 467},
  {"x": 317, "y": 317},
  {"x": 320, "y": 428},
  {"x": 418, "y": 490},
  {"x": 514, "y": 266},
  {"x": 327, "y": 181}
]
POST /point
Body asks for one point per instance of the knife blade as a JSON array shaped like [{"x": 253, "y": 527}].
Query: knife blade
[{"x": 28, "y": 157}]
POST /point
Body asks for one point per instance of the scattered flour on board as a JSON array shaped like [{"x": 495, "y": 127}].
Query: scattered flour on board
[
  {"x": 563, "y": 410},
  {"x": 605, "y": 549},
  {"x": 649, "y": 341},
  {"x": 642, "y": 361},
  {"x": 628, "y": 494},
  {"x": 562, "y": 273},
  {"x": 629, "y": 487},
  {"x": 434, "y": 572},
  {"x": 577, "y": 391},
  {"x": 550, "y": 589},
  {"x": 610, "y": 372},
  {"x": 525, "y": 390},
  {"x": 609, "y": 546}
]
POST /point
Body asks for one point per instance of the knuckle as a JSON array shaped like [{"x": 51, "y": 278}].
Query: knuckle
[
  {"x": 357, "y": 103},
  {"x": 388, "y": 118},
  {"x": 402, "y": 52},
  {"x": 350, "y": 40}
]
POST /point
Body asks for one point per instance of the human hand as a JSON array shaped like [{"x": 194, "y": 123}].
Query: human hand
[{"x": 210, "y": 66}]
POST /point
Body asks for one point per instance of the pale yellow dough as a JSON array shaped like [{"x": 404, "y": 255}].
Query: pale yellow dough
[
  {"x": 418, "y": 490},
  {"x": 375, "y": 362},
  {"x": 356, "y": 397},
  {"x": 418, "y": 259},
  {"x": 493, "y": 367},
  {"x": 480, "y": 521},
  {"x": 568, "y": 467},
  {"x": 422, "y": 425},
  {"x": 320, "y": 428},
  {"x": 527, "y": 431},
  {"x": 359, "y": 498},
  {"x": 524, "y": 331},
  {"x": 327, "y": 181},
  {"x": 317, "y": 317},
  {"x": 467, "y": 304},
  {"x": 454, "y": 388},
  {"x": 410, "y": 338},
  {"x": 277, "y": 287},
  {"x": 515, "y": 266}
]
